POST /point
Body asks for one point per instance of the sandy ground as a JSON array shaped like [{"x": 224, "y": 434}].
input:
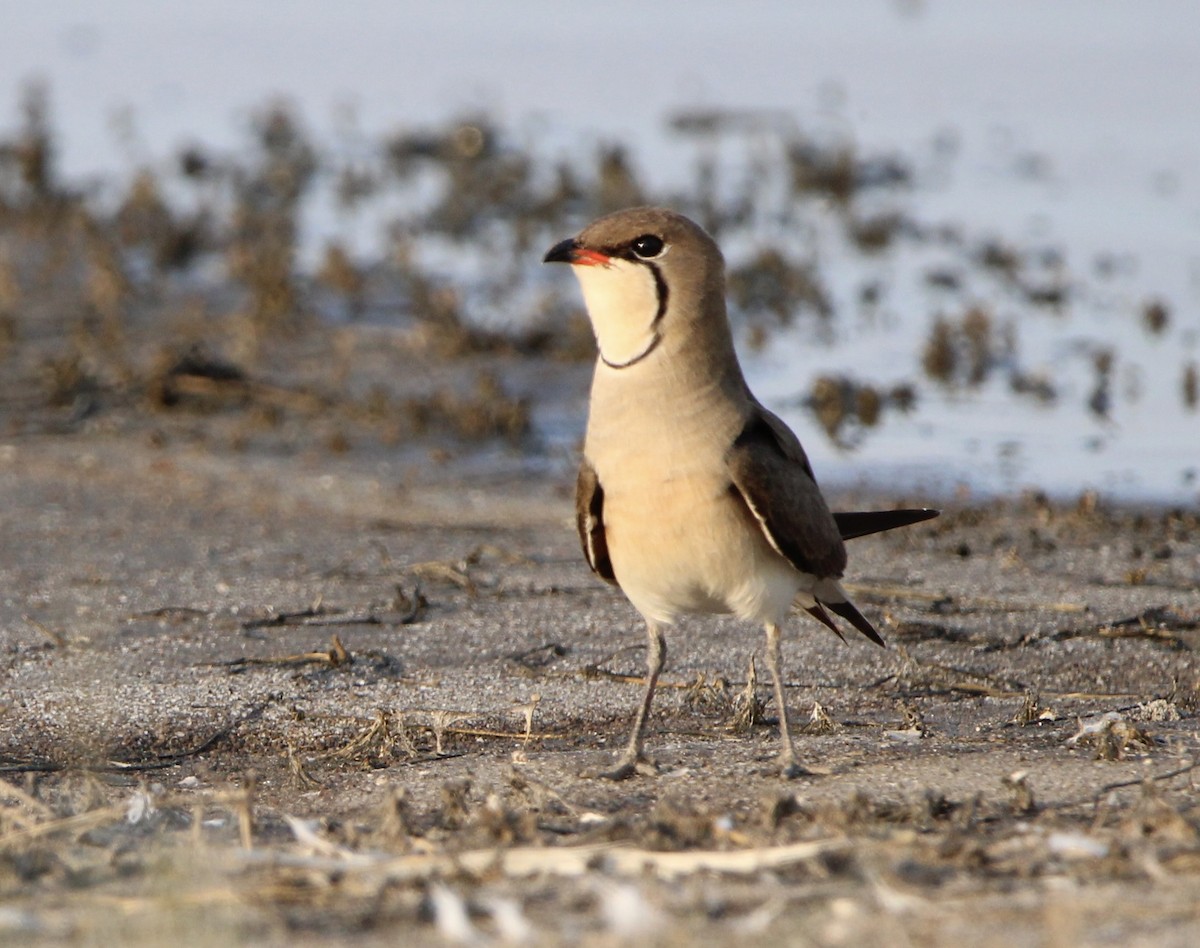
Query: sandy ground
[
  {"x": 305, "y": 697},
  {"x": 298, "y": 646}
]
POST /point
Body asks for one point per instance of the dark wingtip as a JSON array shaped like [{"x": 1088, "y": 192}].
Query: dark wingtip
[
  {"x": 861, "y": 523},
  {"x": 823, "y": 617},
  {"x": 848, "y": 612}
]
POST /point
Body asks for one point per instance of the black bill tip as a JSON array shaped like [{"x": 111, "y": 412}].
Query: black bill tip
[{"x": 562, "y": 252}]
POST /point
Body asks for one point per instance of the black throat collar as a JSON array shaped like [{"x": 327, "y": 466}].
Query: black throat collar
[{"x": 654, "y": 341}]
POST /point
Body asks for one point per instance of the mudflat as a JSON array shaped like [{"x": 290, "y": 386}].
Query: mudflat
[
  {"x": 269, "y": 696},
  {"x": 297, "y": 645}
]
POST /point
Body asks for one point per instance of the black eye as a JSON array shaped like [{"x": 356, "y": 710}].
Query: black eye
[{"x": 647, "y": 246}]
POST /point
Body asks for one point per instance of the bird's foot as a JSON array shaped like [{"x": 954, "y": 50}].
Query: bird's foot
[
  {"x": 627, "y": 766},
  {"x": 790, "y": 770}
]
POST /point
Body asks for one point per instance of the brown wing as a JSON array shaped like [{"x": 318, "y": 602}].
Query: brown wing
[
  {"x": 589, "y": 520},
  {"x": 770, "y": 472}
]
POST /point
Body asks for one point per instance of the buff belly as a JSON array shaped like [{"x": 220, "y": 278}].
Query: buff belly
[{"x": 697, "y": 550}]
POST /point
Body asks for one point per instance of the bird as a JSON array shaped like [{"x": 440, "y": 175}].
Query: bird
[{"x": 692, "y": 497}]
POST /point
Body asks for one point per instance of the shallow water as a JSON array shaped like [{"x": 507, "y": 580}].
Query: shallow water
[{"x": 1067, "y": 133}]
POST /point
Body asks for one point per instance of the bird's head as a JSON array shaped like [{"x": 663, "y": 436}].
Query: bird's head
[{"x": 646, "y": 273}]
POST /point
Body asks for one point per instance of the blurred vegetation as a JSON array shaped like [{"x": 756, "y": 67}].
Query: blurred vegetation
[
  {"x": 344, "y": 271},
  {"x": 178, "y": 285}
]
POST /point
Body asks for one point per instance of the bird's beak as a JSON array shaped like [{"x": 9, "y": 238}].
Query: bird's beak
[{"x": 569, "y": 251}]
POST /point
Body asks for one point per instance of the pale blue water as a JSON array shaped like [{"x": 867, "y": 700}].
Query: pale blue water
[{"x": 1069, "y": 126}]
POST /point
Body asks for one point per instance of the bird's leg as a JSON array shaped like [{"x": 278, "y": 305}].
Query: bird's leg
[
  {"x": 632, "y": 760},
  {"x": 787, "y": 753}
]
